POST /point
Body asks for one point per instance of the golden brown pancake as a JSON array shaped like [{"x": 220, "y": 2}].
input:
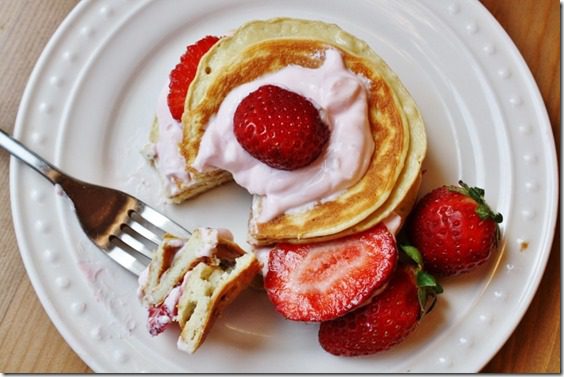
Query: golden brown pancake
[
  {"x": 262, "y": 47},
  {"x": 400, "y": 209}
]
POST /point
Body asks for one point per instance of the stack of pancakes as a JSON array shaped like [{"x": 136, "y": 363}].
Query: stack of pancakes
[{"x": 389, "y": 186}]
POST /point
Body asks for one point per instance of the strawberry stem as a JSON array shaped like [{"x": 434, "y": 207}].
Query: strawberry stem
[
  {"x": 427, "y": 285},
  {"x": 483, "y": 210}
]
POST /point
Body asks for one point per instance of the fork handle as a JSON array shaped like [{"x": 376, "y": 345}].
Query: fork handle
[{"x": 20, "y": 151}]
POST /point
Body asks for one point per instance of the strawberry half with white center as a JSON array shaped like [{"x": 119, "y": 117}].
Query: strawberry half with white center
[
  {"x": 323, "y": 281},
  {"x": 386, "y": 320},
  {"x": 454, "y": 229},
  {"x": 183, "y": 74},
  {"x": 280, "y": 128}
]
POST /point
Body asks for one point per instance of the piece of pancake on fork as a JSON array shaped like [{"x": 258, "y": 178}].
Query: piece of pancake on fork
[{"x": 192, "y": 281}]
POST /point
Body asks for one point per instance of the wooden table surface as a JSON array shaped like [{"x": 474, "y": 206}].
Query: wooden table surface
[{"x": 28, "y": 340}]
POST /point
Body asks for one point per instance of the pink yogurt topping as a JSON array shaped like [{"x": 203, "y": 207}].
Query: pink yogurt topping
[
  {"x": 169, "y": 162},
  {"x": 341, "y": 97}
]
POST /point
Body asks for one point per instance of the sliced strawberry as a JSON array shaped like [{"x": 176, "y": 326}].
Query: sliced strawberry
[
  {"x": 319, "y": 282},
  {"x": 280, "y": 128},
  {"x": 377, "y": 326},
  {"x": 182, "y": 75}
]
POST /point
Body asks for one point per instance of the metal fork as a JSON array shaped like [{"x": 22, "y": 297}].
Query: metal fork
[{"x": 125, "y": 228}]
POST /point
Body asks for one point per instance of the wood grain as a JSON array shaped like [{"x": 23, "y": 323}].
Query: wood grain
[{"x": 28, "y": 341}]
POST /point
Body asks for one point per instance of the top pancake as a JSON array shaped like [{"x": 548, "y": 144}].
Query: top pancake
[{"x": 262, "y": 47}]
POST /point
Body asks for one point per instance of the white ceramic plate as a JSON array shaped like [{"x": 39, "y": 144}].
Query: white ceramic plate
[{"x": 88, "y": 108}]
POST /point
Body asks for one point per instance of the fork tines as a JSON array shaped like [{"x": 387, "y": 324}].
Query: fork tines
[{"x": 140, "y": 234}]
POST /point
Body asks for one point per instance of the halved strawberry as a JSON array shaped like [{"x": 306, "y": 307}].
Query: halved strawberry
[
  {"x": 182, "y": 75},
  {"x": 323, "y": 281}
]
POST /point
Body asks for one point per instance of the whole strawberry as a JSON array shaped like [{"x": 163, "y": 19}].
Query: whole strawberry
[
  {"x": 390, "y": 316},
  {"x": 454, "y": 229},
  {"x": 384, "y": 322},
  {"x": 184, "y": 72},
  {"x": 280, "y": 128}
]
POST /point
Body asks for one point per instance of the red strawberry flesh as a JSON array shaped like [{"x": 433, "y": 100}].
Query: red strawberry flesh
[
  {"x": 380, "y": 324},
  {"x": 280, "y": 128},
  {"x": 159, "y": 319},
  {"x": 184, "y": 72},
  {"x": 319, "y": 282}
]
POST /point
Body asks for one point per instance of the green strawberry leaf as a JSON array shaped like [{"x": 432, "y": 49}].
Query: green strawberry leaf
[
  {"x": 427, "y": 286},
  {"x": 477, "y": 194},
  {"x": 422, "y": 296},
  {"x": 428, "y": 281},
  {"x": 413, "y": 254},
  {"x": 483, "y": 212}
]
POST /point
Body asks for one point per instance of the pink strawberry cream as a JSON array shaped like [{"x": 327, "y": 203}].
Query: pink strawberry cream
[
  {"x": 165, "y": 152},
  {"x": 341, "y": 98}
]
